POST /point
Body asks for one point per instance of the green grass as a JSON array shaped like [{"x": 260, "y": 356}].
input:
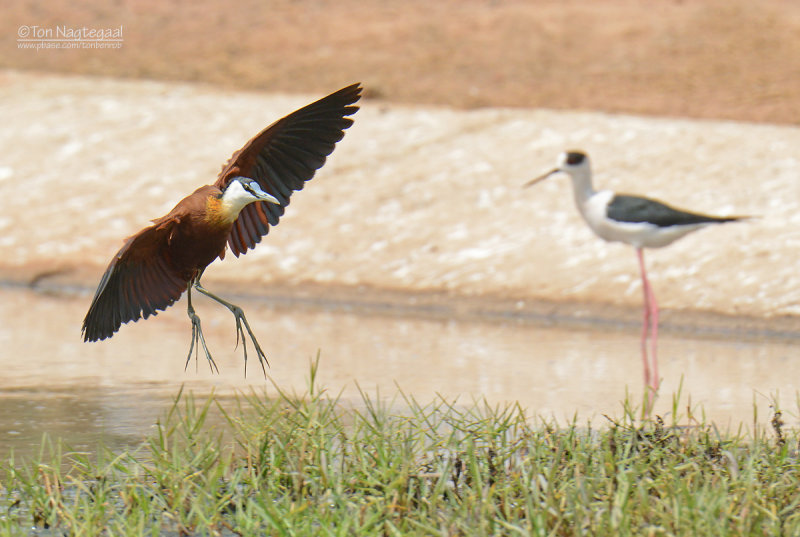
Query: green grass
[{"x": 310, "y": 465}]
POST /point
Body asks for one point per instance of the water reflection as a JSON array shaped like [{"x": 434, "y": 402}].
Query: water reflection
[
  {"x": 81, "y": 417},
  {"x": 114, "y": 390}
]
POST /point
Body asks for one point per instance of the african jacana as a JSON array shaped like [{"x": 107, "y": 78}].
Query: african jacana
[
  {"x": 638, "y": 221},
  {"x": 155, "y": 266}
]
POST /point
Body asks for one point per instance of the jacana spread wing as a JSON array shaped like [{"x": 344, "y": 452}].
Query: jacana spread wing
[
  {"x": 283, "y": 157},
  {"x": 137, "y": 283}
]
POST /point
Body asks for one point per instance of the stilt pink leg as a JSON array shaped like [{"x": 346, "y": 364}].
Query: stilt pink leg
[
  {"x": 656, "y": 380},
  {"x": 649, "y": 323},
  {"x": 645, "y": 329}
]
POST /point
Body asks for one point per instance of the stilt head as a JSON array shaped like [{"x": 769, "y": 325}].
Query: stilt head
[{"x": 571, "y": 162}]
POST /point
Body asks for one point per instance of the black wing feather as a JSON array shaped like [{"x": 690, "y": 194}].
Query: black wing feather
[
  {"x": 284, "y": 156},
  {"x": 137, "y": 283},
  {"x": 636, "y": 209}
]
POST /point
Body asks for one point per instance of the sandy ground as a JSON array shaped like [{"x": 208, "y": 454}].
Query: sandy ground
[{"x": 415, "y": 199}]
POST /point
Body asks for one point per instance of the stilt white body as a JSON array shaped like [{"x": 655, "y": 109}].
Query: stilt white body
[
  {"x": 594, "y": 211},
  {"x": 638, "y": 221}
]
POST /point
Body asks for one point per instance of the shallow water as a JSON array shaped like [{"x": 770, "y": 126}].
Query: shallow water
[{"x": 113, "y": 391}]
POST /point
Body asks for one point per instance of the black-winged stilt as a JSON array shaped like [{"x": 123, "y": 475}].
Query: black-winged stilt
[{"x": 638, "y": 221}]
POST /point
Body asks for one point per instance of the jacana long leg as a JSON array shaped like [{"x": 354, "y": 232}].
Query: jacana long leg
[
  {"x": 238, "y": 314},
  {"x": 197, "y": 336}
]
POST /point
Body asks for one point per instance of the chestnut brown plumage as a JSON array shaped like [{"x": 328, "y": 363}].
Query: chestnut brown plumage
[{"x": 155, "y": 266}]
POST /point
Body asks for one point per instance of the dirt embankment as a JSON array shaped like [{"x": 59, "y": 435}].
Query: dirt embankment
[
  {"x": 424, "y": 201},
  {"x": 421, "y": 204},
  {"x": 720, "y": 59}
]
